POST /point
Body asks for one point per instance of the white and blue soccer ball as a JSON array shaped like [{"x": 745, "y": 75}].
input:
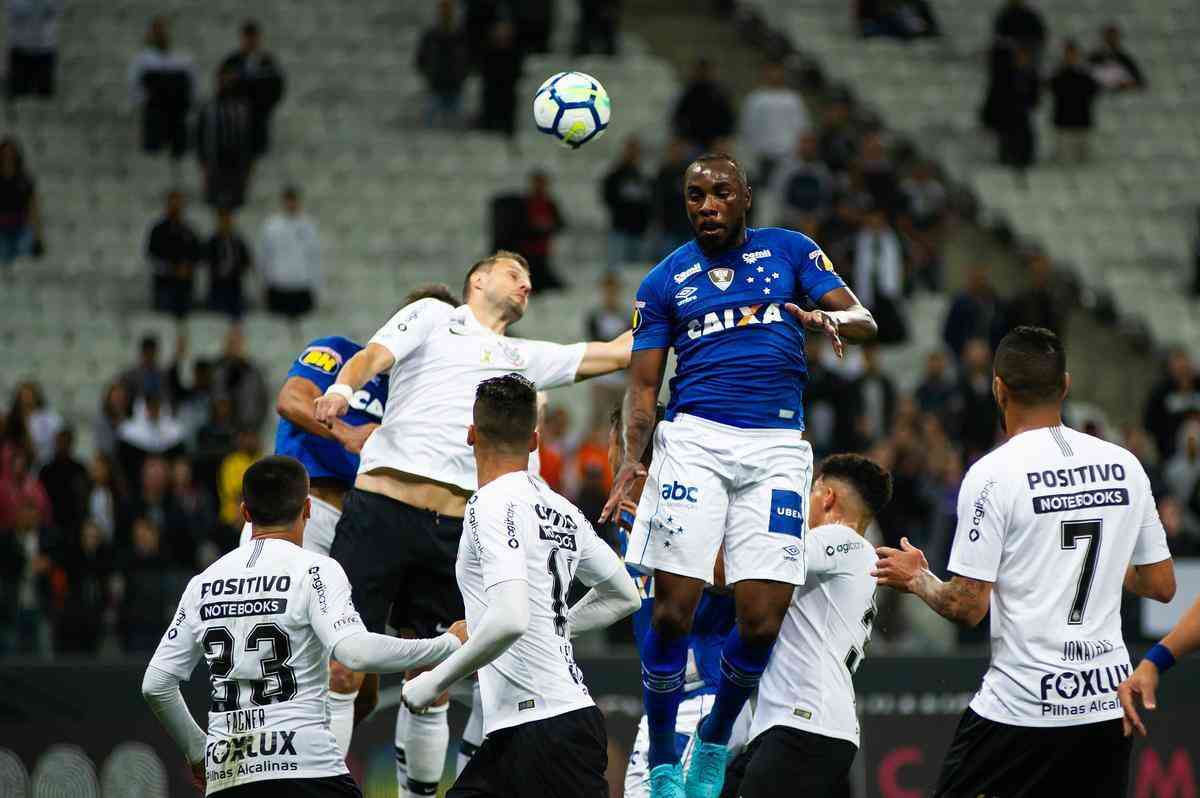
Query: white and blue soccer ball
[{"x": 572, "y": 107}]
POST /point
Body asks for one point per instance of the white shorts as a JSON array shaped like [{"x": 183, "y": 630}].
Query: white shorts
[
  {"x": 318, "y": 532},
  {"x": 691, "y": 711},
  {"x": 712, "y": 486}
]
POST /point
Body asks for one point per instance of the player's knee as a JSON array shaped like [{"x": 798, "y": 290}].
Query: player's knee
[
  {"x": 760, "y": 631},
  {"x": 671, "y": 621}
]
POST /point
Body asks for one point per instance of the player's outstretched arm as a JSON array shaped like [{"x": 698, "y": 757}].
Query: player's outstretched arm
[
  {"x": 1142, "y": 684},
  {"x": 1153, "y": 581},
  {"x": 605, "y": 357},
  {"x": 161, "y": 692},
  {"x": 502, "y": 624},
  {"x": 962, "y": 600},
  {"x": 376, "y": 653},
  {"x": 646, "y": 368},
  {"x": 364, "y": 366}
]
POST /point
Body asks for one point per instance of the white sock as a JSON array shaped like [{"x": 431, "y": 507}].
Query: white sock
[
  {"x": 472, "y": 736},
  {"x": 427, "y": 738},
  {"x": 402, "y": 716},
  {"x": 341, "y": 718}
]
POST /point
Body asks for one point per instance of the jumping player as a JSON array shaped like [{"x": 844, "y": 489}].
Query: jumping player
[
  {"x": 1049, "y": 523},
  {"x": 731, "y": 467}
]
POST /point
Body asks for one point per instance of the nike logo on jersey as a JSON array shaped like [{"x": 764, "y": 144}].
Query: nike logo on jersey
[{"x": 734, "y": 317}]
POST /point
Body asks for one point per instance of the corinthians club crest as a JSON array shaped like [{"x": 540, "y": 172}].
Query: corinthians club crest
[{"x": 721, "y": 277}]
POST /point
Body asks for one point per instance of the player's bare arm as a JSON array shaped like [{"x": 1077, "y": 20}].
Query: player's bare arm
[
  {"x": 364, "y": 366},
  {"x": 646, "y": 368},
  {"x": 841, "y": 316},
  {"x": 605, "y": 357},
  {"x": 1153, "y": 581},
  {"x": 1142, "y": 684},
  {"x": 961, "y": 599},
  {"x": 297, "y": 403}
]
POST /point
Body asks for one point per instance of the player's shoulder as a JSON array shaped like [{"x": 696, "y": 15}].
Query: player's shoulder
[
  {"x": 509, "y": 490},
  {"x": 327, "y": 355},
  {"x": 676, "y": 268},
  {"x": 1095, "y": 447},
  {"x": 841, "y": 542},
  {"x": 788, "y": 242},
  {"x": 427, "y": 309}
]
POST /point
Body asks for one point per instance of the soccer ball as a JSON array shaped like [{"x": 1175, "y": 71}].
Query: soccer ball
[{"x": 572, "y": 107}]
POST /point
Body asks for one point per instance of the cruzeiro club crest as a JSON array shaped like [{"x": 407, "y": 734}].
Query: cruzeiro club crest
[{"x": 721, "y": 276}]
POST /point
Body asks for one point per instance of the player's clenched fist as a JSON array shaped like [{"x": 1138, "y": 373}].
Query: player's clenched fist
[
  {"x": 419, "y": 693},
  {"x": 331, "y": 405}
]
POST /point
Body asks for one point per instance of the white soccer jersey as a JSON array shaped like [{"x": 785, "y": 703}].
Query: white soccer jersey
[
  {"x": 807, "y": 684},
  {"x": 442, "y": 354},
  {"x": 1053, "y": 518},
  {"x": 518, "y": 528},
  {"x": 266, "y": 617}
]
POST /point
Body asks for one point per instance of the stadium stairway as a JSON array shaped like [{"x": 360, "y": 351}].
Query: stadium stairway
[
  {"x": 1123, "y": 221},
  {"x": 396, "y": 204}
]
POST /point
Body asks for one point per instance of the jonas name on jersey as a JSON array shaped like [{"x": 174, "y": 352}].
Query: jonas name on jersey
[
  {"x": 1067, "y": 513},
  {"x": 725, "y": 319}
]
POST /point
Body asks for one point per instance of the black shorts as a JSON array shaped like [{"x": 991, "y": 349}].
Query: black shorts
[
  {"x": 560, "y": 757},
  {"x": 783, "y": 762},
  {"x": 996, "y": 759},
  {"x": 399, "y": 558},
  {"x": 342, "y": 786}
]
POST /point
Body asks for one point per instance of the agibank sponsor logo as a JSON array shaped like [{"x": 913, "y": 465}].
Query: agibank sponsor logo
[{"x": 1088, "y": 691}]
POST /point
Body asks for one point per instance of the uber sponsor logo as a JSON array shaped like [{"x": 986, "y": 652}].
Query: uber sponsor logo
[
  {"x": 1093, "y": 683},
  {"x": 319, "y": 586},
  {"x": 731, "y": 318},
  {"x": 686, "y": 273},
  {"x": 756, "y": 256},
  {"x": 676, "y": 492},
  {"x": 558, "y": 537},
  {"x": 1104, "y": 497},
  {"x": 241, "y": 609},
  {"x": 786, "y": 517}
]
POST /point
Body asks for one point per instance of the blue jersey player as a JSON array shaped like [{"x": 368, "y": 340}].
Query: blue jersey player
[
  {"x": 731, "y": 467},
  {"x": 713, "y": 621}
]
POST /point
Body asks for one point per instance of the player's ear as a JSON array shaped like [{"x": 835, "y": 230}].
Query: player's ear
[
  {"x": 307, "y": 508},
  {"x": 999, "y": 392},
  {"x": 471, "y": 435},
  {"x": 534, "y": 441},
  {"x": 246, "y": 514},
  {"x": 1066, "y": 385}
]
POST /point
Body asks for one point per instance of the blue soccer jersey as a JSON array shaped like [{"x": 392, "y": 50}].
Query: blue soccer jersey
[
  {"x": 320, "y": 363},
  {"x": 712, "y": 623},
  {"x": 739, "y": 354}
]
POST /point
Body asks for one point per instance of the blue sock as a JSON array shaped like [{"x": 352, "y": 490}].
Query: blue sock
[
  {"x": 663, "y": 665},
  {"x": 741, "y": 668}
]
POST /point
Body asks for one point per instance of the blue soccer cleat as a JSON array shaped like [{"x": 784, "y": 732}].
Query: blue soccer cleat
[
  {"x": 666, "y": 781},
  {"x": 706, "y": 770}
]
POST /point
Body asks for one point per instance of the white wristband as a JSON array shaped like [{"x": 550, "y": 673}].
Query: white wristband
[{"x": 340, "y": 389}]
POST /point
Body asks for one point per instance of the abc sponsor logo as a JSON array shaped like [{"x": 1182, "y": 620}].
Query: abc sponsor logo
[{"x": 675, "y": 492}]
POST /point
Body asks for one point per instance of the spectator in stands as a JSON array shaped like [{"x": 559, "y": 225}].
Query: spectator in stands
[
  {"x": 1113, "y": 66},
  {"x": 1181, "y": 526},
  {"x": 1019, "y": 25},
  {"x": 901, "y": 19},
  {"x": 975, "y": 312},
  {"x": 628, "y": 194},
  {"x": 191, "y": 507},
  {"x": 32, "y": 46},
  {"x": 876, "y": 171},
  {"x": 977, "y": 418},
  {"x": 233, "y": 467},
  {"x": 192, "y": 402},
  {"x": 443, "y": 59},
  {"x": 802, "y": 186},
  {"x": 1181, "y": 474},
  {"x": 1174, "y": 399},
  {"x": 147, "y": 589},
  {"x": 611, "y": 317},
  {"x": 142, "y": 378},
  {"x": 1037, "y": 305},
  {"x": 500, "y": 64},
  {"x": 670, "y": 212},
  {"x": 225, "y": 143},
  {"x": 936, "y": 392},
  {"x": 152, "y": 430},
  {"x": 543, "y": 221},
  {"x": 1074, "y": 90},
  {"x": 20, "y": 488},
  {"x": 879, "y": 275},
  {"x": 27, "y": 575},
  {"x": 703, "y": 114},
  {"x": 68, "y": 485},
  {"x": 214, "y": 441},
  {"x": 534, "y": 20},
  {"x": 162, "y": 83},
  {"x": 1013, "y": 93},
  {"x": 553, "y": 450},
  {"x": 88, "y": 565},
  {"x": 115, "y": 407},
  {"x": 235, "y": 377},
  {"x": 173, "y": 249},
  {"x": 596, "y": 31},
  {"x": 20, "y": 217},
  {"x": 875, "y": 396},
  {"x": 773, "y": 117},
  {"x": 32, "y": 419},
  {"x": 228, "y": 260},
  {"x": 107, "y": 496},
  {"x": 259, "y": 79},
  {"x": 290, "y": 259},
  {"x": 923, "y": 221},
  {"x": 839, "y": 141}
]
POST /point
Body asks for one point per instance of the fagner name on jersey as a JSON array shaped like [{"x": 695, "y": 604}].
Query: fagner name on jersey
[
  {"x": 252, "y": 584},
  {"x": 732, "y": 318}
]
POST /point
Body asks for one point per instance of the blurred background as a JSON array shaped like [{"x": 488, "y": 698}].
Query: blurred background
[{"x": 191, "y": 191}]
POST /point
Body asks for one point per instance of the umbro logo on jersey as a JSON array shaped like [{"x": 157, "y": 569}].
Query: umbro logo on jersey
[
  {"x": 686, "y": 273},
  {"x": 686, "y": 294},
  {"x": 755, "y": 257},
  {"x": 721, "y": 277},
  {"x": 731, "y": 318}
]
